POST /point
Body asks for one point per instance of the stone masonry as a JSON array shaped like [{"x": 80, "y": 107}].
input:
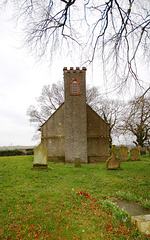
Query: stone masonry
[
  {"x": 75, "y": 116},
  {"x": 75, "y": 130}
]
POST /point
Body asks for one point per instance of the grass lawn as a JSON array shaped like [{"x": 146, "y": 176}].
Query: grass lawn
[{"x": 65, "y": 202}]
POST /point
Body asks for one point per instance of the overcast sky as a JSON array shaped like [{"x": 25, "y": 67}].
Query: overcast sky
[{"x": 21, "y": 81}]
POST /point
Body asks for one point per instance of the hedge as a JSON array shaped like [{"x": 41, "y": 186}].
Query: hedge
[{"x": 16, "y": 152}]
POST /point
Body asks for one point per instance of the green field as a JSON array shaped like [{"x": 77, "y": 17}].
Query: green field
[{"x": 65, "y": 202}]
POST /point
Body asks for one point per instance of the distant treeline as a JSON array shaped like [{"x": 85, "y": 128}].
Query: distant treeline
[{"x": 15, "y": 152}]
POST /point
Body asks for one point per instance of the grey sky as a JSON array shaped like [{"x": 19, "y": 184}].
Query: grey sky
[{"x": 21, "y": 81}]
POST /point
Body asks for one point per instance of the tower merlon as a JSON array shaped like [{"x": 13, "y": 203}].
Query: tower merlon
[{"x": 72, "y": 70}]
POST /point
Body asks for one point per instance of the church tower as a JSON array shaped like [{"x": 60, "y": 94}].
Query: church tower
[{"x": 75, "y": 115}]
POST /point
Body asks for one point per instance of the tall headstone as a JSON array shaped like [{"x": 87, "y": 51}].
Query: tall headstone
[
  {"x": 40, "y": 157},
  {"x": 143, "y": 151},
  {"x": 123, "y": 153},
  {"x": 75, "y": 115},
  {"x": 134, "y": 152}
]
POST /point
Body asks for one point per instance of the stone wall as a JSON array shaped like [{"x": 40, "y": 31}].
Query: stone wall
[
  {"x": 97, "y": 137},
  {"x": 52, "y": 134}
]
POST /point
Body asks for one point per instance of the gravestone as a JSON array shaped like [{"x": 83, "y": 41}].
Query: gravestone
[
  {"x": 139, "y": 148},
  {"x": 77, "y": 162},
  {"x": 123, "y": 153},
  {"x": 117, "y": 153},
  {"x": 40, "y": 157},
  {"x": 143, "y": 152},
  {"x": 140, "y": 216},
  {"x": 113, "y": 163},
  {"x": 113, "y": 149},
  {"x": 134, "y": 152},
  {"x": 142, "y": 222}
]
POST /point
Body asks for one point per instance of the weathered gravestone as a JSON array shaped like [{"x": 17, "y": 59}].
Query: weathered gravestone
[
  {"x": 139, "y": 148},
  {"x": 143, "y": 151},
  {"x": 134, "y": 152},
  {"x": 123, "y": 153},
  {"x": 77, "y": 162},
  {"x": 40, "y": 157},
  {"x": 117, "y": 152},
  {"x": 113, "y": 162},
  {"x": 142, "y": 222}
]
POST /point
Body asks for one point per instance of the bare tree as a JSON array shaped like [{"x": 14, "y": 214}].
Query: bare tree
[
  {"x": 137, "y": 121},
  {"x": 52, "y": 97},
  {"x": 116, "y": 30},
  {"x": 111, "y": 111},
  {"x": 49, "y": 100},
  {"x": 92, "y": 96}
]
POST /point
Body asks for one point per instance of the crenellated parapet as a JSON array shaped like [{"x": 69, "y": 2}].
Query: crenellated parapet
[{"x": 74, "y": 70}]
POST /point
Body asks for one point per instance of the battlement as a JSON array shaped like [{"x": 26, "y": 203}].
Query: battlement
[{"x": 76, "y": 70}]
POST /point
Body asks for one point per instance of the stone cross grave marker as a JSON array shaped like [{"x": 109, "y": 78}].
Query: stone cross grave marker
[
  {"x": 40, "y": 157},
  {"x": 113, "y": 163},
  {"x": 134, "y": 152}
]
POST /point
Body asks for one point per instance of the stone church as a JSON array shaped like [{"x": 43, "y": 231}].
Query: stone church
[{"x": 75, "y": 130}]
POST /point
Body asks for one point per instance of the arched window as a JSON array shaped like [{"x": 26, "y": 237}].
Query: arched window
[{"x": 75, "y": 87}]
